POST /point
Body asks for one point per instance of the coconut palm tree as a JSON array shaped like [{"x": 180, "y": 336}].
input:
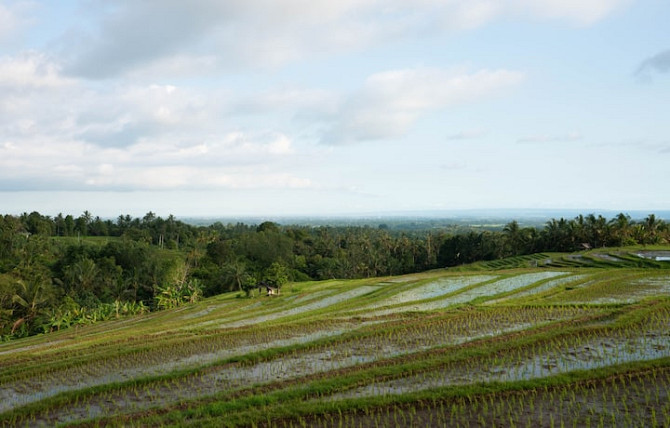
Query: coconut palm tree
[
  {"x": 651, "y": 228},
  {"x": 234, "y": 274},
  {"x": 621, "y": 226},
  {"x": 30, "y": 299},
  {"x": 82, "y": 275},
  {"x": 514, "y": 238}
]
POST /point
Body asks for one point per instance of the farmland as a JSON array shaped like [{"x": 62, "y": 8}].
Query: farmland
[{"x": 545, "y": 340}]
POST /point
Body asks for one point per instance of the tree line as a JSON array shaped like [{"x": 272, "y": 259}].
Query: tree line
[{"x": 60, "y": 271}]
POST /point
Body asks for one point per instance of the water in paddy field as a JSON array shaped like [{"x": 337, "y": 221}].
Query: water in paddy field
[{"x": 659, "y": 256}]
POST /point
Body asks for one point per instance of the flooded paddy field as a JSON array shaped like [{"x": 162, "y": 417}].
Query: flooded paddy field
[
  {"x": 351, "y": 345},
  {"x": 638, "y": 398}
]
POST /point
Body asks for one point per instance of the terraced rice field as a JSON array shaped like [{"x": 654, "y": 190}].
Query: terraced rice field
[{"x": 531, "y": 347}]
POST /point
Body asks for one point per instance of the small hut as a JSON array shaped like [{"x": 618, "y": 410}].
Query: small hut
[{"x": 270, "y": 290}]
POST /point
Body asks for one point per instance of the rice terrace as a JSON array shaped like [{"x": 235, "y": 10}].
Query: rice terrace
[{"x": 548, "y": 339}]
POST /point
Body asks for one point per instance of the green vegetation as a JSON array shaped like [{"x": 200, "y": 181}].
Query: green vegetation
[
  {"x": 64, "y": 271},
  {"x": 157, "y": 322},
  {"x": 523, "y": 346}
]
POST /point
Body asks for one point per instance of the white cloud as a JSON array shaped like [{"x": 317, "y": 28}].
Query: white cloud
[
  {"x": 390, "y": 102},
  {"x": 30, "y": 70},
  {"x": 57, "y": 132},
  {"x": 167, "y": 105},
  {"x": 174, "y": 38},
  {"x": 7, "y": 22},
  {"x": 250, "y": 145},
  {"x": 12, "y": 18},
  {"x": 188, "y": 177},
  {"x": 467, "y": 15},
  {"x": 236, "y": 160}
]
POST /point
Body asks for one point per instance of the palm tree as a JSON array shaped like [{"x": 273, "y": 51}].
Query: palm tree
[
  {"x": 82, "y": 275},
  {"x": 30, "y": 298},
  {"x": 597, "y": 230},
  {"x": 514, "y": 238},
  {"x": 234, "y": 274},
  {"x": 557, "y": 235},
  {"x": 621, "y": 229},
  {"x": 651, "y": 227},
  {"x": 578, "y": 230}
]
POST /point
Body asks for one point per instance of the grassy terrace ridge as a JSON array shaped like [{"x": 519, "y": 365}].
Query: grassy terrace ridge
[{"x": 542, "y": 340}]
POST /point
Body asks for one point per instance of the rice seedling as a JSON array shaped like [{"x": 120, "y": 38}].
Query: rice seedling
[{"x": 515, "y": 348}]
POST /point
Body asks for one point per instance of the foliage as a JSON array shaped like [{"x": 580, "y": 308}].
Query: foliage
[
  {"x": 48, "y": 262},
  {"x": 276, "y": 275},
  {"x": 70, "y": 313},
  {"x": 180, "y": 289},
  {"x": 174, "y": 295}
]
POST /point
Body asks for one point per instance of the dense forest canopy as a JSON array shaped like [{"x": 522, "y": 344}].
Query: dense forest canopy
[{"x": 59, "y": 271}]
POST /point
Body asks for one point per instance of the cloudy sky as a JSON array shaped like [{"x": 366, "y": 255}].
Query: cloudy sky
[{"x": 312, "y": 107}]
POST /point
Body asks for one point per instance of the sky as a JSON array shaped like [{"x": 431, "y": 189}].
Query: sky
[{"x": 321, "y": 107}]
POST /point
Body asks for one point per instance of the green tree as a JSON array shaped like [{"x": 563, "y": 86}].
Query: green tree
[
  {"x": 265, "y": 247},
  {"x": 268, "y": 226},
  {"x": 81, "y": 277},
  {"x": 8, "y": 288},
  {"x": 69, "y": 225},
  {"x": 514, "y": 238},
  {"x": 276, "y": 275},
  {"x": 651, "y": 228},
  {"x": 82, "y": 223},
  {"x": 98, "y": 227},
  {"x": 234, "y": 274},
  {"x": 30, "y": 299},
  {"x": 249, "y": 283},
  {"x": 36, "y": 224},
  {"x": 179, "y": 289},
  {"x": 622, "y": 230},
  {"x": 597, "y": 230}
]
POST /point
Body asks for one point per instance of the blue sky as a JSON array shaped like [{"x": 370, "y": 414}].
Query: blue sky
[{"x": 311, "y": 107}]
